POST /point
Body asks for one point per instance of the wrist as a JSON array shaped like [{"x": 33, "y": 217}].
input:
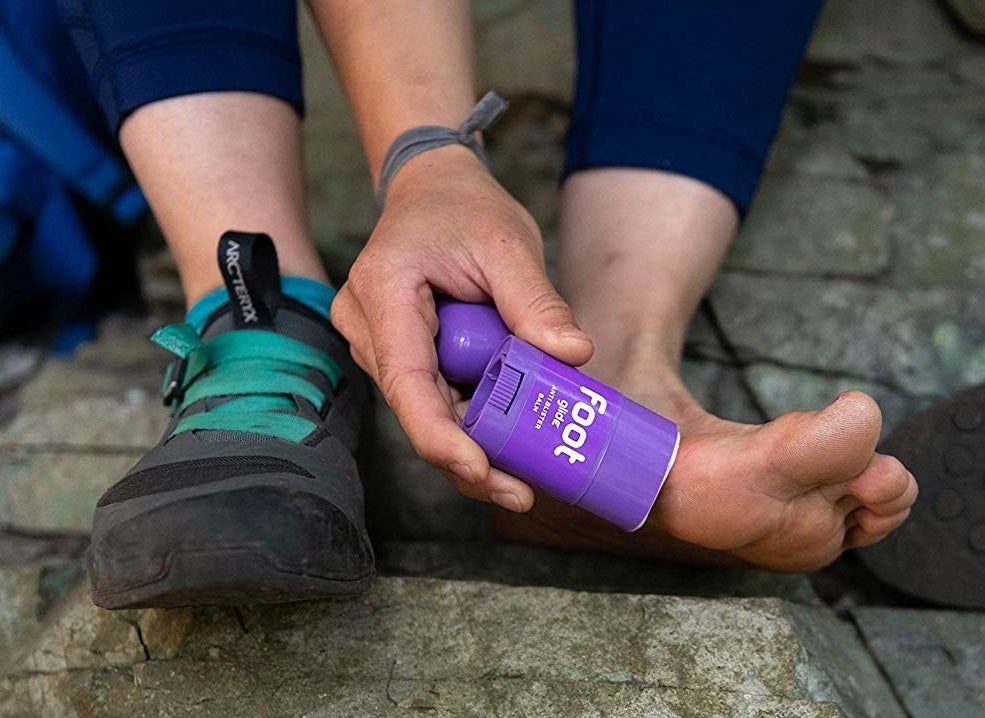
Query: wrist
[
  {"x": 423, "y": 139},
  {"x": 438, "y": 165}
]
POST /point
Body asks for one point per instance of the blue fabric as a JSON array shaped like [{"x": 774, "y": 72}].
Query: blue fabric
[
  {"x": 56, "y": 157},
  {"x": 696, "y": 88},
  {"x": 692, "y": 87},
  {"x": 43, "y": 106},
  {"x": 313, "y": 294},
  {"x": 141, "y": 51}
]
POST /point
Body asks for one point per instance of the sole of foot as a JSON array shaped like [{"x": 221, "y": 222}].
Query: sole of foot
[{"x": 789, "y": 495}]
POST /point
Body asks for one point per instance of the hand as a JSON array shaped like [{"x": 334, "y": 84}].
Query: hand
[{"x": 449, "y": 226}]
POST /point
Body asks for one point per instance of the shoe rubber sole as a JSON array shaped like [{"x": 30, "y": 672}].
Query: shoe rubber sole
[
  {"x": 266, "y": 539},
  {"x": 938, "y": 554}
]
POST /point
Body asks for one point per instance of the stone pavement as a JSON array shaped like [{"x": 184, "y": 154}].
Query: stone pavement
[
  {"x": 455, "y": 649},
  {"x": 862, "y": 265}
]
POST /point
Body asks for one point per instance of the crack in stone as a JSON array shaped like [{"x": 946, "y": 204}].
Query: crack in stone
[
  {"x": 143, "y": 643},
  {"x": 958, "y": 26},
  {"x": 389, "y": 682},
  {"x": 852, "y": 620},
  {"x": 730, "y": 351},
  {"x": 241, "y": 620},
  {"x": 835, "y": 374},
  {"x": 876, "y": 279},
  {"x": 951, "y": 656},
  {"x": 392, "y": 677},
  {"x": 737, "y": 361}
]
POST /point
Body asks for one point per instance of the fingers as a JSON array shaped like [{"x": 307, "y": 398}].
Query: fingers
[
  {"x": 348, "y": 318},
  {"x": 499, "y": 488},
  {"x": 397, "y": 350},
  {"x": 395, "y": 345},
  {"x": 532, "y": 308}
]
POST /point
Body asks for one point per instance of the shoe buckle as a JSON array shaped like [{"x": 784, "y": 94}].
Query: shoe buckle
[{"x": 172, "y": 389}]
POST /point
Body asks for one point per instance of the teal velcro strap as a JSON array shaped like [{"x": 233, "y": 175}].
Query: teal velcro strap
[
  {"x": 257, "y": 344},
  {"x": 259, "y": 377},
  {"x": 179, "y": 339},
  {"x": 183, "y": 341},
  {"x": 285, "y": 426},
  {"x": 222, "y": 385}
]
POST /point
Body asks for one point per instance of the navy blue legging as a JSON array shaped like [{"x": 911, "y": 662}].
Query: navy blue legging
[{"x": 693, "y": 87}]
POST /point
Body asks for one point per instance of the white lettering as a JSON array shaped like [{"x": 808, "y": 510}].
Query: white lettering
[
  {"x": 596, "y": 399},
  {"x": 573, "y": 456},
  {"x": 583, "y": 414},
  {"x": 574, "y": 434},
  {"x": 579, "y": 436},
  {"x": 239, "y": 284}
]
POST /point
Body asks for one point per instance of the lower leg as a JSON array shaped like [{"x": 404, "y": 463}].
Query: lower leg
[
  {"x": 649, "y": 243},
  {"x": 636, "y": 317},
  {"x": 216, "y": 161},
  {"x": 639, "y": 249}
]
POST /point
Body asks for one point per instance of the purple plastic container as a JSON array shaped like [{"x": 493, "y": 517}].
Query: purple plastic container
[
  {"x": 560, "y": 430},
  {"x": 468, "y": 335}
]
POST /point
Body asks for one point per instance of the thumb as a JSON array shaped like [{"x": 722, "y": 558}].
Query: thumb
[{"x": 536, "y": 313}]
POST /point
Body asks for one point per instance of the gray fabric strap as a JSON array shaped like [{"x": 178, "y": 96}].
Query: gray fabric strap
[{"x": 416, "y": 140}]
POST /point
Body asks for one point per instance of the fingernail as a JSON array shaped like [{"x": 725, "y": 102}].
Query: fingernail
[
  {"x": 570, "y": 331},
  {"x": 507, "y": 501}
]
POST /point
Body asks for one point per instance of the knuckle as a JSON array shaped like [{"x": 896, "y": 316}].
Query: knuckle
[
  {"x": 460, "y": 485},
  {"x": 342, "y": 309},
  {"x": 518, "y": 237},
  {"x": 360, "y": 277},
  {"x": 392, "y": 381},
  {"x": 369, "y": 269},
  {"x": 433, "y": 456},
  {"x": 524, "y": 221},
  {"x": 546, "y": 301}
]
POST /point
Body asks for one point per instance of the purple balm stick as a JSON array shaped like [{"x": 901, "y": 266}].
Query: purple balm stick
[
  {"x": 468, "y": 334},
  {"x": 551, "y": 425},
  {"x": 577, "y": 439}
]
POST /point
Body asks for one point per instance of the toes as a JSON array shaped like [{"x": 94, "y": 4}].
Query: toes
[
  {"x": 870, "y": 527},
  {"x": 885, "y": 487},
  {"x": 886, "y": 492},
  {"x": 876, "y": 525},
  {"x": 846, "y": 504},
  {"x": 831, "y": 445}
]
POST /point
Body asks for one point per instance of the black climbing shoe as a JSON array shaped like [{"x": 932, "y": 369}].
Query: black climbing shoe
[{"x": 252, "y": 494}]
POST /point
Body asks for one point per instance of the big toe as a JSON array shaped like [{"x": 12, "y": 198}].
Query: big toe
[{"x": 832, "y": 445}]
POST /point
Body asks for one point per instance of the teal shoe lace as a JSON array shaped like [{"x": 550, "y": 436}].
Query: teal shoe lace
[{"x": 263, "y": 371}]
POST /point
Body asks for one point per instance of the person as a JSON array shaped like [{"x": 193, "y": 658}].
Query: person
[{"x": 252, "y": 493}]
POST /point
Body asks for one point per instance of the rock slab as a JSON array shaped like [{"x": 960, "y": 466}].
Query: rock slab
[
  {"x": 935, "y": 659},
  {"x": 453, "y": 649}
]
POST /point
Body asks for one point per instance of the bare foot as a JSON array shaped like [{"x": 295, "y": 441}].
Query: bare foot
[
  {"x": 638, "y": 251},
  {"x": 789, "y": 495}
]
